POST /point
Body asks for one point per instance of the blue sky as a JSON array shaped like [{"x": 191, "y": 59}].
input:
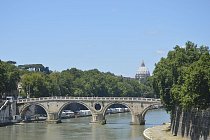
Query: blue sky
[{"x": 110, "y": 35}]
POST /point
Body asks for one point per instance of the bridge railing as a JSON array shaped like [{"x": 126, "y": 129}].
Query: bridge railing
[{"x": 88, "y": 98}]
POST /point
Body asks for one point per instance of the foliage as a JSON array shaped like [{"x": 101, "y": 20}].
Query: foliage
[
  {"x": 35, "y": 84},
  {"x": 74, "y": 82},
  {"x": 70, "y": 82},
  {"x": 182, "y": 79},
  {"x": 9, "y": 77}
]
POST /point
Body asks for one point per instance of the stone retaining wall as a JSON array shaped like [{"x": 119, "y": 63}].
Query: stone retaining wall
[{"x": 193, "y": 124}]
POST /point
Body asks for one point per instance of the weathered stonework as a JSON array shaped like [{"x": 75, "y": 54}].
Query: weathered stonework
[{"x": 54, "y": 106}]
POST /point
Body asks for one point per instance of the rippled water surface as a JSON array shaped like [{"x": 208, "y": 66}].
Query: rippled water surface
[{"x": 117, "y": 128}]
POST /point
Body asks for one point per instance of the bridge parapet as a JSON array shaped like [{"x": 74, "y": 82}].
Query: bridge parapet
[{"x": 60, "y": 98}]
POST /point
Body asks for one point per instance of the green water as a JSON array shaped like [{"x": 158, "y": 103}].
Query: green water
[{"x": 117, "y": 128}]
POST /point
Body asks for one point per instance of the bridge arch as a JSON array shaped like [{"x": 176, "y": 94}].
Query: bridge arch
[
  {"x": 71, "y": 102},
  {"x": 120, "y": 103},
  {"x": 147, "y": 109},
  {"x": 26, "y": 106}
]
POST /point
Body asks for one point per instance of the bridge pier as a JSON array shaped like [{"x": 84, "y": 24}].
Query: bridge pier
[
  {"x": 53, "y": 118},
  {"x": 138, "y": 120},
  {"x": 98, "y": 118},
  {"x": 142, "y": 122}
]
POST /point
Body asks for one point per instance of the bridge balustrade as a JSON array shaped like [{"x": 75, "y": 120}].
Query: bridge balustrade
[{"x": 88, "y": 98}]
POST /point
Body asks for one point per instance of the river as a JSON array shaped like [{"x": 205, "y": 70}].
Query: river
[{"x": 117, "y": 128}]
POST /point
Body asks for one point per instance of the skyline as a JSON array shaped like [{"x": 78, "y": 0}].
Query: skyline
[{"x": 111, "y": 36}]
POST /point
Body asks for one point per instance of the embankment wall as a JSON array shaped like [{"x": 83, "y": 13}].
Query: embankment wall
[{"x": 192, "y": 123}]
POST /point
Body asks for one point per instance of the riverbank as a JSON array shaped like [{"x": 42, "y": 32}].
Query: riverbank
[{"x": 161, "y": 132}]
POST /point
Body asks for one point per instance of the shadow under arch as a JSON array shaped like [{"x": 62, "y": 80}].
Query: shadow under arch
[
  {"x": 26, "y": 107},
  {"x": 72, "y": 102},
  {"x": 119, "y": 103}
]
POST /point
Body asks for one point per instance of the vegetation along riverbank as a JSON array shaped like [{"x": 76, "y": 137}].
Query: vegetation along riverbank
[{"x": 183, "y": 81}]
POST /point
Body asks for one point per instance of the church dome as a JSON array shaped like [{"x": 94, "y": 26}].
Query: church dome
[{"x": 142, "y": 72}]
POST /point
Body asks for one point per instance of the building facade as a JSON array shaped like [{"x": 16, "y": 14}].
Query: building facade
[{"x": 142, "y": 72}]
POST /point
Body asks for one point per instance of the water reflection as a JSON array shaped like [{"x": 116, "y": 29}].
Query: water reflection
[{"x": 117, "y": 128}]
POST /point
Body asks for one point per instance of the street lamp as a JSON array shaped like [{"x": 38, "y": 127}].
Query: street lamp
[{"x": 28, "y": 91}]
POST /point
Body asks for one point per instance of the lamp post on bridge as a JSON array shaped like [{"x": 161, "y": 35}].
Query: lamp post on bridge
[{"x": 28, "y": 91}]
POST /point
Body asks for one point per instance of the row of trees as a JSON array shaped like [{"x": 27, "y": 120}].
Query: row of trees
[
  {"x": 183, "y": 77},
  {"x": 74, "y": 82},
  {"x": 70, "y": 82}
]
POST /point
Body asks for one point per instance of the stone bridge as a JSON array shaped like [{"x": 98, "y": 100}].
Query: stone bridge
[{"x": 97, "y": 105}]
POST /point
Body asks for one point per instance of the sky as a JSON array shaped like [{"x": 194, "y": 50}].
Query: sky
[{"x": 109, "y": 35}]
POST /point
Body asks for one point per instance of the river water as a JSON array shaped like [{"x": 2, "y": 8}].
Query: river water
[{"x": 117, "y": 128}]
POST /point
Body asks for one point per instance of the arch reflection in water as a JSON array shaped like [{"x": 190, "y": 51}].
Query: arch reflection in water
[{"x": 117, "y": 128}]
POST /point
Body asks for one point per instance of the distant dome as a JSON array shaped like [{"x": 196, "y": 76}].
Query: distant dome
[{"x": 142, "y": 72}]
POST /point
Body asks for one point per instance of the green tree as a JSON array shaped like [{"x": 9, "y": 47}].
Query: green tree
[
  {"x": 66, "y": 83},
  {"x": 3, "y": 78},
  {"x": 34, "y": 84},
  {"x": 196, "y": 88},
  {"x": 53, "y": 83},
  {"x": 180, "y": 78},
  {"x": 9, "y": 77}
]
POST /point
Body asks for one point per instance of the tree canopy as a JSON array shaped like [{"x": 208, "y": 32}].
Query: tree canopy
[
  {"x": 9, "y": 77},
  {"x": 74, "y": 82},
  {"x": 70, "y": 82},
  {"x": 183, "y": 77}
]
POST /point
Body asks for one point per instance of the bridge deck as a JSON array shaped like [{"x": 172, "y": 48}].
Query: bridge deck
[{"x": 60, "y": 98}]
